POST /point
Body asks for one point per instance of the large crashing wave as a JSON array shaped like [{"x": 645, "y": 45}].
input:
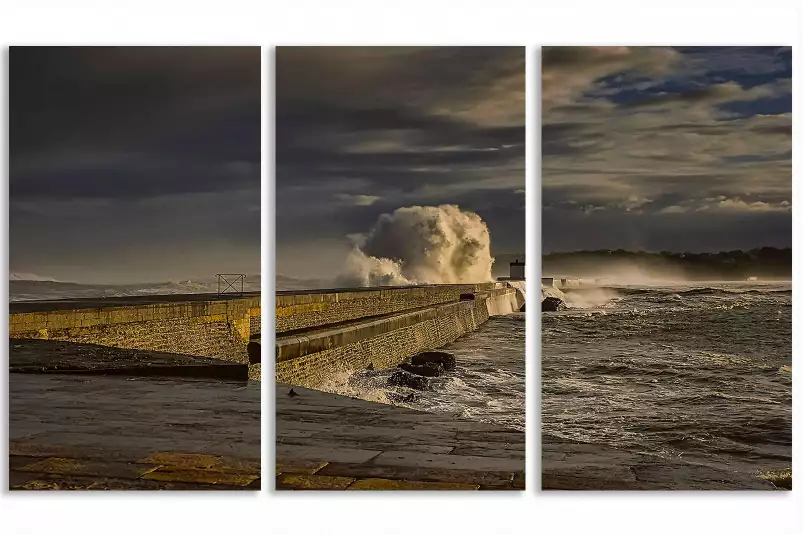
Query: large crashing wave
[{"x": 421, "y": 245}]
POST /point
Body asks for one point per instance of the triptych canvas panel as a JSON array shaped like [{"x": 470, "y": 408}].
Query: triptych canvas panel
[{"x": 401, "y": 293}]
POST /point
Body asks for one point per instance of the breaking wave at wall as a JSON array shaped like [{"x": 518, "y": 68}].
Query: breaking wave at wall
[{"x": 421, "y": 245}]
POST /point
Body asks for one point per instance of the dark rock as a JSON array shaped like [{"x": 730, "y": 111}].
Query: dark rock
[
  {"x": 443, "y": 358},
  {"x": 428, "y": 369},
  {"x": 254, "y": 353},
  {"x": 398, "y": 398},
  {"x": 370, "y": 366},
  {"x": 552, "y": 304},
  {"x": 402, "y": 378}
]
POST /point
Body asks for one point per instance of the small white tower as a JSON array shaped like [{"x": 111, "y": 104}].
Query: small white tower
[{"x": 517, "y": 271}]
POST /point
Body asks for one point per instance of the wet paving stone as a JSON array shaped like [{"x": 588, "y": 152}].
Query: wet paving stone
[
  {"x": 312, "y": 482},
  {"x": 402, "y": 484},
  {"x": 81, "y": 467},
  {"x": 414, "y": 473},
  {"x": 210, "y": 477},
  {"x": 78, "y": 433},
  {"x": 298, "y": 466},
  {"x": 62, "y": 482},
  {"x": 385, "y": 447}
]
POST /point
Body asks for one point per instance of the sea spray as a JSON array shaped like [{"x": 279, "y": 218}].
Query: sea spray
[
  {"x": 362, "y": 385},
  {"x": 594, "y": 297},
  {"x": 421, "y": 245},
  {"x": 488, "y": 384}
]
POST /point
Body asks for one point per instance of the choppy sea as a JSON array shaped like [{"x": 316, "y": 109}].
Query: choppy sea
[
  {"x": 701, "y": 372},
  {"x": 487, "y": 384}
]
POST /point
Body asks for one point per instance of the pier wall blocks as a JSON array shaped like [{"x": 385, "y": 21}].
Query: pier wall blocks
[
  {"x": 506, "y": 302},
  {"x": 218, "y": 329},
  {"x": 303, "y": 310},
  {"x": 312, "y": 360}
]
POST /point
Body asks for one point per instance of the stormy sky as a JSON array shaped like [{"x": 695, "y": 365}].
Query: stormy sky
[
  {"x": 134, "y": 164},
  {"x": 680, "y": 149},
  {"x": 361, "y": 131}
]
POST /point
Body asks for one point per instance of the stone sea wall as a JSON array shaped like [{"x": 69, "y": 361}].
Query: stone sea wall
[
  {"x": 218, "y": 329},
  {"x": 311, "y": 359},
  {"x": 304, "y": 310}
]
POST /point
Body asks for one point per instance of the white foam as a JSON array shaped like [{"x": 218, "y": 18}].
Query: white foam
[{"x": 421, "y": 245}]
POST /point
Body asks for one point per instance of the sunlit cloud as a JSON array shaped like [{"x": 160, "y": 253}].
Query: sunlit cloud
[{"x": 631, "y": 132}]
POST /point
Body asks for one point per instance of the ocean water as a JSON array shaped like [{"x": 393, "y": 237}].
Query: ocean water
[
  {"x": 35, "y": 290},
  {"x": 487, "y": 384},
  {"x": 699, "y": 372}
]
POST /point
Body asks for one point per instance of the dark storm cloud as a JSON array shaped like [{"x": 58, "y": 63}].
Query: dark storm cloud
[
  {"x": 362, "y": 131},
  {"x": 117, "y": 152},
  {"x": 666, "y": 148}
]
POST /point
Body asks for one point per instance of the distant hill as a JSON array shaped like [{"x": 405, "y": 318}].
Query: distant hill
[
  {"x": 26, "y": 289},
  {"x": 764, "y": 263},
  {"x": 17, "y": 276}
]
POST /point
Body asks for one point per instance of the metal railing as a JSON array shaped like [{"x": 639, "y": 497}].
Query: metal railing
[{"x": 230, "y": 281}]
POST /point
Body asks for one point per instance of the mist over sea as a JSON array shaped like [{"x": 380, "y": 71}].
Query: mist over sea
[
  {"x": 35, "y": 290},
  {"x": 700, "y": 372}
]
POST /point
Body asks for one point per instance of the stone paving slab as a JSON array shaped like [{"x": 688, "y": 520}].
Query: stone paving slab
[
  {"x": 446, "y": 462},
  {"x": 312, "y": 482},
  {"x": 490, "y": 450},
  {"x": 371, "y": 445},
  {"x": 298, "y": 466},
  {"x": 330, "y": 442},
  {"x": 396, "y": 484},
  {"x": 97, "y": 432},
  {"x": 208, "y": 476},
  {"x": 324, "y": 453},
  {"x": 416, "y": 473},
  {"x": 84, "y": 467},
  {"x": 572, "y": 466},
  {"x": 62, "y": 482}
]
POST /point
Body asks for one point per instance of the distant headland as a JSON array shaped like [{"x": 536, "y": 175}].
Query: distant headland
[{"x": 766, "y": 263}]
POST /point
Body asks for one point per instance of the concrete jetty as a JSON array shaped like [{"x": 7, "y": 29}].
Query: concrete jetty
[
  {"x": 326, "y": 441},
  {"x": 146, "y": 392}
]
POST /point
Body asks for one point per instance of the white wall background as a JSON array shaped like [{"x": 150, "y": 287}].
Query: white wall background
[{"x": 470, "y": 22}]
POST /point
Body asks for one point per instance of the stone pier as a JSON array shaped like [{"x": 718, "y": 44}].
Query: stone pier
[
  {"x": 98, "y": 432},
  {"x": 327, "y": 441},
  {"x": 325, "y": 332},
  {"x": 148, "y": 392},
  {"x": 203, "y": 325}
]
